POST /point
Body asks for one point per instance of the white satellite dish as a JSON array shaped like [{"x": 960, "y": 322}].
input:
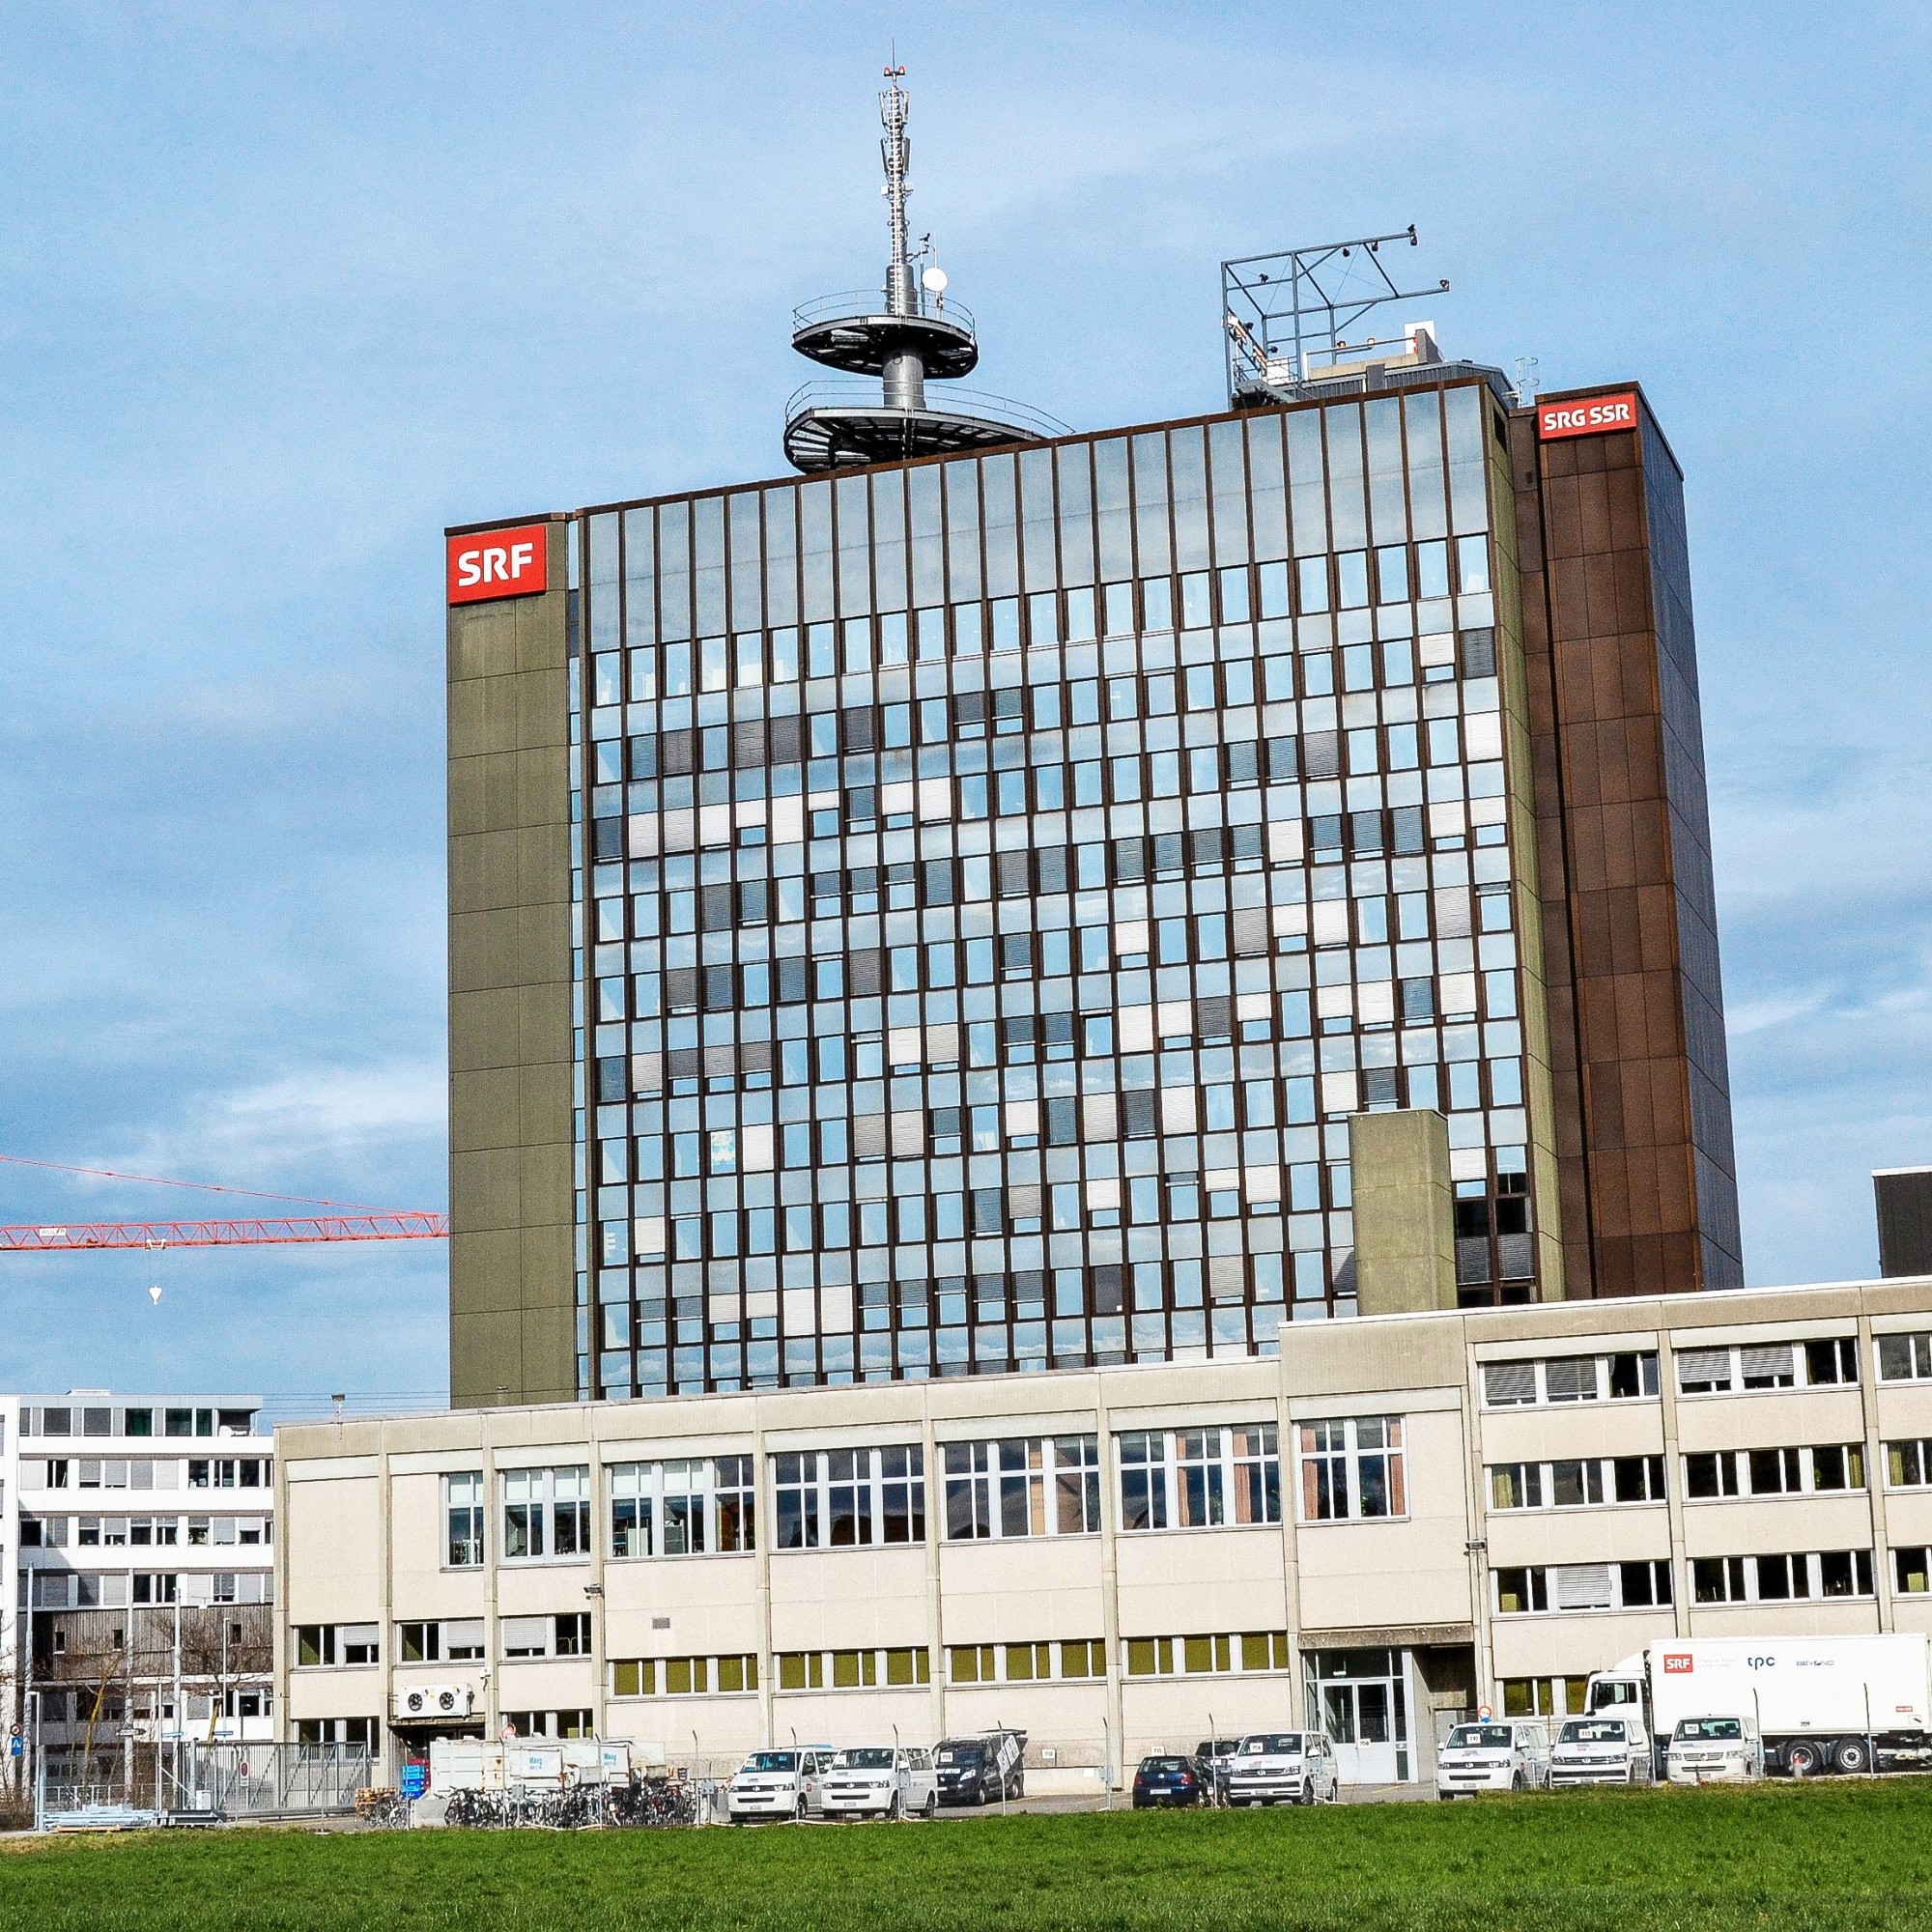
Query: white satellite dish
[{"x": 933, "y": 280}]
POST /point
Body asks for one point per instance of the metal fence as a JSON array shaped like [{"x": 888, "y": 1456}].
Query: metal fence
[
  {"x": 262, "y": 1780},
  {"x": 197, "y": 1783}
]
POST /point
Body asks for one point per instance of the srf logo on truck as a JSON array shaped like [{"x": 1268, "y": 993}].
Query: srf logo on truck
[
  {"x": 1677, "y": 1663},
  {"x": 1591, "y": 415},
  {"x": 500, "y": 563}
]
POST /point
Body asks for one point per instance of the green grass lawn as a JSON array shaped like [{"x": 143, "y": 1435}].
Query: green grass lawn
[{"x": 1782, "y": 1857}]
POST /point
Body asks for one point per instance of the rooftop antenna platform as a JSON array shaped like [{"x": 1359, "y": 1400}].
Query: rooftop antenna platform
[
  {"x": 905, "y": 336},
  {"x": 1289, "y": 319}
]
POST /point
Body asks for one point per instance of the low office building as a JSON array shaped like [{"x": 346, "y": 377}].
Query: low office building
[
  {"x": 1396, "y": 1518},
  {"x": 141, "y": 1538}
]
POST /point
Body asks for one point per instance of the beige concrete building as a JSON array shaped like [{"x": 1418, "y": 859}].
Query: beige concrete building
[{"x": 1398, "y": 1518}]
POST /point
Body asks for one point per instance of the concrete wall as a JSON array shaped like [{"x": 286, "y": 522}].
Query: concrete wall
[{"x": 511, "y": 1315}]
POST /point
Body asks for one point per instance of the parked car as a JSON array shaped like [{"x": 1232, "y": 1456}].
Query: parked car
[
  {"x": 1283, "y": 1767},
  {"x": 1215, "y": 1756},
  {"x": 1163, "y": 1781},
  {"x": 778, "y": 1783},
  {"x": 881, "y": 1781},
  {"x": 1507, "y": 1754},
  {"x": 1723, "y": 1749},
  {"x": 1602, "y": 1751},
  {"x": 981, "y": 1768}
]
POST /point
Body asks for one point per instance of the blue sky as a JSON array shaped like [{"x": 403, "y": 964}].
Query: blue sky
[{"x": 283, "y": 290}]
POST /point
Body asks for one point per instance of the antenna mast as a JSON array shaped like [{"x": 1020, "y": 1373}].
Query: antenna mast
[
  {"x": 910, "y": 337},
  {"x": 895, "y": 109}
]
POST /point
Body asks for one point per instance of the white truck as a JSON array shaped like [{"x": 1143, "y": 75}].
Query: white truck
[{"x": 1819, "y": 1703}]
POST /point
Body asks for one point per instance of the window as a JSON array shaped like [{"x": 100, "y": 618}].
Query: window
[
  {"x": 632, "y": 1496},
  {"x": 1713, "y": 1475},
  {"x": 1542, "y": 1696},
  {"x": 972, "y": 1663},
  {"x": 1912, "y": 1571},
  {"x": 1831, "y": 1362},
  {"x": 733, "y": 1504},
  {"x": 1211, "y": 1656},
  {"x": 1083, "y": 1657},
  {"x": 1904, "y": 1358},
  {"x": 1353, "y": 1468},
  {"x": 1908, "y": 1465},
  {"x": 1515, "y": 1486},
  {"x": 1582, "y": 1586},
  {"x": 565, "y": 1636},
  {"x": 1769, "y": 1365},
  {"x": 684, "y": 1515},
  {"x": 363, "y": 1732},
  {"x": 1703, "y": 1371},
  {"x": 456, "y": 1640},
  {"x": 546, "y": 1514},
  {"x": 462, "y": 1512},
  {"x": 1638, "y": 1479},
  {"x": 683, "y": 1509},
  {"x": 322, "y": 1645},
  {"x": 1200, "y": 1478},
  {"x": 419, "y": 1643},
  {"x": 842, "y": 1498},
  {"x": 549, "y": 1724},
  {"x": 1042, "y": 1486},
  {"x": 463, "y": 1640},
  {"x": 1781, "y": 1579},
  {"x": 1566, "y": 1379},
  {"x": 1621, "y": 1479}
]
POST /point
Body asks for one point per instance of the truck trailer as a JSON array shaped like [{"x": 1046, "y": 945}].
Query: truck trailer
[{"x": 1820, "y": 1703}]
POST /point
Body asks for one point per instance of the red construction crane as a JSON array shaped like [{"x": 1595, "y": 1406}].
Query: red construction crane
[{"x": 348, "y": 1223}]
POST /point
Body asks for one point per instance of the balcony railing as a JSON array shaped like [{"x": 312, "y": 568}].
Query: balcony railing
[
  {"x": 941, "y": 400},
  {"x": 856, "y": 304}
]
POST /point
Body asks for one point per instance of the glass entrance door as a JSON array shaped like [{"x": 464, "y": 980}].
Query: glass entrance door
[{"x": 1359, "y": 1699}]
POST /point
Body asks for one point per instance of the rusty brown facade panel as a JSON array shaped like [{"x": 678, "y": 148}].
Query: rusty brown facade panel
[
  {"x": 1534, "y": 514},
  {"x": 1629, "y": 927}
]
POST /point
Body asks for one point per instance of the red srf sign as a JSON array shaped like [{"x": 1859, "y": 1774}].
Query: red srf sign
[
  {"x": 1588, "y": 415},
  {"x": 500, "y": 563},
  {"x": 1677, "y": 1663}
]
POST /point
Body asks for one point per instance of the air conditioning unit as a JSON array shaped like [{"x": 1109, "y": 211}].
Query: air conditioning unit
[{"x": 426, "y": 1702}]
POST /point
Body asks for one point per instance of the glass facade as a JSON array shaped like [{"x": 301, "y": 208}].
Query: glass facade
[{"x": 999, "y": 879}]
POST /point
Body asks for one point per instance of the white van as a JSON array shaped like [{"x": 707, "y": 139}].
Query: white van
[
  {"x": 1705, "y": 1751},
  {"x": 1602, "y": 1751},
  {"x": 881, "y": 1781},
  {"x": 1283, "y": 1767},
  {"x": 1498, "y": 1754},
  {"x": 778, "y": 1784}
]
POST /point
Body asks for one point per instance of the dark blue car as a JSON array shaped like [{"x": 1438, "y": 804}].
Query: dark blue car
[{"x": 1167, "y": 1780}]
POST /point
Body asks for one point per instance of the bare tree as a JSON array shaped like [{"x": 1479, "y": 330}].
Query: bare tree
[{"x": 224, "y": 1647}]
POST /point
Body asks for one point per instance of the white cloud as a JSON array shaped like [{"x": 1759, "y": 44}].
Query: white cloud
[{"x": 329, "y": 1117}]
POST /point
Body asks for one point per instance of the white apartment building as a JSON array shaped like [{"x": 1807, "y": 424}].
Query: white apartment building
[
  {"x": 139, "y": 1538},
  {"x": 1398, "y": 1516}
]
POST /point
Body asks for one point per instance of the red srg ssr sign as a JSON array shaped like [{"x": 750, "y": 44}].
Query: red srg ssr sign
[
  {"x": 500, "y": 563},
  {"x": 1589, "y": 415}
]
